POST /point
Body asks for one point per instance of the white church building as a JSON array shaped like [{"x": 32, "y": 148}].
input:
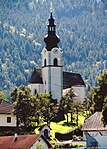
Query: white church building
[{"x": 51, "y": 78}]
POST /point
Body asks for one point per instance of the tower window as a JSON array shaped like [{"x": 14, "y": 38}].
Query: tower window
[
  {"x": 55, "y": 62},
  {"x": 52, "y": 28},
  {"x": 45, "y": 62},
  {"x": 45, "y": 82}
]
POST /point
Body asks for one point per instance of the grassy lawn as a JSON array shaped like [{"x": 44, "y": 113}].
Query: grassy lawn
[{"x": 62, "y": 127}]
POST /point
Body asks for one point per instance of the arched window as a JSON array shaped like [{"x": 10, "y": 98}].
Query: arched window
[
  {"x": 55, "y": 62},
  {"x": 45, "y": 62},
  {"x": 46, "y": 133},
  {"x": 35, "y": 91}
]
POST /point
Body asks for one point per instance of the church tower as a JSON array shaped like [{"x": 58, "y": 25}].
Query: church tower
[{"x": 52, "y": 67}]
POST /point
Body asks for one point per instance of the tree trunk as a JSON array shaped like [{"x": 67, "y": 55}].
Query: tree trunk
[
  {"x": 77, "y": 118},
  {"x": 67, "y": 118},
  {"x": 71, "y": 116},
  {"x": 17, "y": 124}
]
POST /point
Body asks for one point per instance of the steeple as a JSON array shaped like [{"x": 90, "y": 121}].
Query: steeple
[{"x": 51, "y": 39}]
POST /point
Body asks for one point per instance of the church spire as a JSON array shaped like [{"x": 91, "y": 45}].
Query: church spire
[{"x": 51, "y": 39}]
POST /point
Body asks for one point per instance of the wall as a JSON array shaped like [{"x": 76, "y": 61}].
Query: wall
[
  {"x": 38, "y": 87},
  {"x": 89, "y": 139},
  {"x": 52, "y": 75},
  {"x": 79, "y": 91},
  {"x": 42, "y": 131},
  {"x": 40, "y": 143},
  {"x": 102, "y": 140},
  {"x": 3, "y": 120}
]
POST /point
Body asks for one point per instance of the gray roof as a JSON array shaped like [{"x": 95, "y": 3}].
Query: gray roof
[
  {"x": 94, "y": 123},
  {"x": 36, "y": 76},
  {"x": 69, "y": 79},
  {"x": 6, "y": 107},
  {"x": 72, "y": 79}
]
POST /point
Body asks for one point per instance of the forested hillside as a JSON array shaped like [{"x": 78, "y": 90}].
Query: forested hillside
[{"x": 81, "y": 26}]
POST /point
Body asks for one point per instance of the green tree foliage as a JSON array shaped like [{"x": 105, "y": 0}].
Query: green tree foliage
[
  {"x": 2, "y": 96},
  {"x": 77, "y": 106},
  {"x": 30, "y": 109},
  {"x": 49, "y": 108},
  {"x": 66, "y": 103},
  {"x": 23, "y": 105},
  {"x": 98, "y": 96}
]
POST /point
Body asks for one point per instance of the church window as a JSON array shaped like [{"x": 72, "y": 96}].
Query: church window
[
  {"x": 35, "y": 91},
  {"x": 45, "y": 62},
  {"x": 55, "y": 62},
  {"x": 45, "y": 82},
  {"x": 45, "y": 91},
  {"x": 8, "y": 119}
]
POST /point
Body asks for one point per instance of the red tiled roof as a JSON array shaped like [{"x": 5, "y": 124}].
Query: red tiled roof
[
  {"x": 6, "y": 107},
  {"x": 94, "y": 123},
  {"x": 22, "y": 142}
]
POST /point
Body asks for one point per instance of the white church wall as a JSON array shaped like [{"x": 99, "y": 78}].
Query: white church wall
[
  {"x": 56, "y": 87},
  {"x": 57, "y": 55},
  {"x": 3, "y": 120},
  {"x": 45, "y": 75},
  {"x": 52, "y": 75},
  {"x": 79, "y": 92},
  {"x": 37, "y": 87}
]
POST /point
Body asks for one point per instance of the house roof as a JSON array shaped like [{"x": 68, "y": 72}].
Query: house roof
[
  {"x": 69, "y": 79},
  {"x": 36, "y": 76},
  {"x": 22, "y": 141},
  {"x": 43, "y": 127},
  {"x": 94, "y": 123},
  {"x": 6, "y": 107}
]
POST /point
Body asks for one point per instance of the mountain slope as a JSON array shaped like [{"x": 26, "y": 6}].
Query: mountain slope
[{"x": 81, "y": 26}]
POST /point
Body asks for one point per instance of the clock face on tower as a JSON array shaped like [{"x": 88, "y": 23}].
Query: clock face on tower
[{"x": 55, "y": 51}]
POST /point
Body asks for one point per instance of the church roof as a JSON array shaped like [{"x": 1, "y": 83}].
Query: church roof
[
  {"x": 69, "y": 79},
  {"x": 72, "y": 79},
  {"x": 36, "y": 76}
]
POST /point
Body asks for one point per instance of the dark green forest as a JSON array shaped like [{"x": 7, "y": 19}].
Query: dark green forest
[{"x": 81, "y": 26}]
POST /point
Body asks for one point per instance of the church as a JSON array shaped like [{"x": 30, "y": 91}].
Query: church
[{"x": 51, "y": 78}]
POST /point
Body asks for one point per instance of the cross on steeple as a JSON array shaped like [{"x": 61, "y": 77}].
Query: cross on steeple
[
  {"x": 51, "y": 6},
  {"x": 51, "y": 39}
]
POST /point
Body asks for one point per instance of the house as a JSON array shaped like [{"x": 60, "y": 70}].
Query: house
[
  {"x": 96, "y": 133},
  {"x": 51, "y": 78},
  {"x": 45, "y": 130},
  {"x": 7, "y": 118},
  {"x": 24, "y": 141}
]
